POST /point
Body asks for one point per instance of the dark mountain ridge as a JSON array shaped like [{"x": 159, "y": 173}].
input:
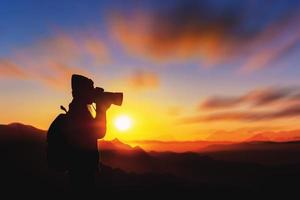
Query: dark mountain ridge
[{"x": 133, "y": 170}]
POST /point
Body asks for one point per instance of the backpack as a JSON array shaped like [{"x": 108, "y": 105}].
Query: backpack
[{"x": 56, "y": 144}]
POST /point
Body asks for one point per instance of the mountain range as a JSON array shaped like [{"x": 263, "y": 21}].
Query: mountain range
[{"x": 233, "y": 168}]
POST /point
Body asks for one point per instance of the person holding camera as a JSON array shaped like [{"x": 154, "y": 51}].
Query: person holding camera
[{"x": 82, "y": 131}]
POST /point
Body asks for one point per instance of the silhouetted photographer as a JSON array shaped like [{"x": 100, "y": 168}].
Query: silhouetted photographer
[{"x": 72, "y": 137}]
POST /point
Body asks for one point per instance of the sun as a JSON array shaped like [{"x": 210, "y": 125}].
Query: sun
[{"x": 123, "y": 123}]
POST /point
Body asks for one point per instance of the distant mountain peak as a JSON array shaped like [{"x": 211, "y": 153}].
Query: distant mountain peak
[
  {"x": 258, "y": 137},
  {"x": 20, "y": 125},
  {"x": 21, "y": 131},
  {"x": 117, "y": 144},
  {"x": 16, "y": 124},
  {"x": 116, "y": 140}
]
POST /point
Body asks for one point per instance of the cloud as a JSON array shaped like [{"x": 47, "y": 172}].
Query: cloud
[
  {"x": 263, "y": 104},
  {"x": 184, "y": 31},
  {"x": 53, "y": 60},
  {"x": 143, "y": 80},
  {"x": 258, "y": 33},
  {"x": 60, "y": 75},
  {"x": 254, "y": 98},
  {"x": 97, "y": 49},
  {"x": 220, "y": 102},
  {"x": 247, "y": 116},
  {"x": 268, "y": 56},
  {"x": 10, "y": 69},
  {"x": 267, "y": 96}
]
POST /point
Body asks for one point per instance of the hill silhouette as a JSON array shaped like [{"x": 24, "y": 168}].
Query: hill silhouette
[
  {"x": 266, "y": 153},
  {"x": 176, "y": 146},
  {"x": 235, "y": 169}
]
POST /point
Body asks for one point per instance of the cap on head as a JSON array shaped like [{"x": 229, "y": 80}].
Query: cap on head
[{"x": 81, "y": 83}]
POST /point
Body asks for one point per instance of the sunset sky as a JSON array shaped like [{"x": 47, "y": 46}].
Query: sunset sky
[{"x": 224, "y": 70}]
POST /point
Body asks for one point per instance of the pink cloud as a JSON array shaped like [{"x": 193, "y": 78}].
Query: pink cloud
[
  {"x": 255, "y": 98},
  {"x": 141, "y": 79},
  {"x": 9, "y": 69},
  {"x": 53, "y": 60},
  {"x": 246, "y": 116}
]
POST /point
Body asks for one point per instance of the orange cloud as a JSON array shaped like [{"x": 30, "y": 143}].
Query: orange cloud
[
  {"x": 188, "y": 30},
  {"x": 254, "y": 98},
  {"x": 157, "y": 37},
  {"x": 54, "y": 59},
  {"x": 97, "y": 50},
  {"x": 247, "y": 116},
  {"x": 220, "y": 102},
  {"x": 143, "y": 80},
  {"x": 263, "y": 105},
  {"x": 10, "y": 69},
  {"x": 60, "y": 74}
]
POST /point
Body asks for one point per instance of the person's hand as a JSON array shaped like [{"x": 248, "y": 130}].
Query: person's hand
[{"x": 102, "y": 104}]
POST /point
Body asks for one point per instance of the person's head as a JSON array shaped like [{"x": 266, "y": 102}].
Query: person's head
[{"x": 82, "y": 88}]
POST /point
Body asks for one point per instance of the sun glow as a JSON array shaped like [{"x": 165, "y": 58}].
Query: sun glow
[{"x": 123, "y": 123}]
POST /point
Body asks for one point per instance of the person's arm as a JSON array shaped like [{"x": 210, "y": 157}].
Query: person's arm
[
  {"x": 101, "y": 122},
  {"x": 101, "y": 108}
]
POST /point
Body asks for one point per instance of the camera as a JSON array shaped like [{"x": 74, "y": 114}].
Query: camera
[{"x": 115, "y": 98}]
